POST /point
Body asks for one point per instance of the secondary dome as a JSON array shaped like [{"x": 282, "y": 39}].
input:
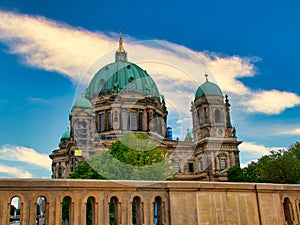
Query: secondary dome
[
  {"x": 208, "y": 88},
  {"x": 121, "y": 76},
  {"x": 83, "y": 103},
  {"x": 66, "y": 135}
]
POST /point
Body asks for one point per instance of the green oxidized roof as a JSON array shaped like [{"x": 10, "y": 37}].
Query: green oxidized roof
[
  {"x": 83, "y": 103},
  {"x": 208, "y": 88},
  {"x": 121, "y": 76},
  {"x": 66, "y": 135}
]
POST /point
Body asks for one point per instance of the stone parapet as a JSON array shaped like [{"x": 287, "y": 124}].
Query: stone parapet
[{"x": 177, "y": 202}]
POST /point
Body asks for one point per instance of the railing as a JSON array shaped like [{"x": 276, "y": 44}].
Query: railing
[{"x": 43, "y": 201}]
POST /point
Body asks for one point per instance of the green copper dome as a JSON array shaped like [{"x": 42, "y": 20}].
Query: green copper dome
[
  {"x": 121, "y": 77},
  {"x": 208, "y": 88},
  {"x": 83, "y": 103},
  {"x": 66, "y": 135}
]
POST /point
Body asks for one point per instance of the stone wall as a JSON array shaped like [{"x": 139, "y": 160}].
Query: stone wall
[{"x": 180, "y": 203}]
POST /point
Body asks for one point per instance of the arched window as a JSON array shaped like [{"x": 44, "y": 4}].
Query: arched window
[
  {"x": 66, "y": 210},
  {"x": 158, "y": 211},
  {"x": 90, "y": 211},
  {"x": 205, "y": 114},
  {"x": 41, "y": 211},
  {"x": 114, "y": 217},
  {"x": 15, "y": 210},
  {"x": 217, "y": 116},
  {"x": 288, "y": 211},
  {"x": 137, "y": 211}
]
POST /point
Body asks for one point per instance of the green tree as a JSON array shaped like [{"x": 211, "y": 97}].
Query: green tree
[
  {"x": 280, "y": 166},
  {"x": 134, "y": 157},
  {"x": 235, "y": 174}
]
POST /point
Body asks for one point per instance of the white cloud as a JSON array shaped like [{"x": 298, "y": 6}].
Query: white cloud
[
  {"x": 295, "y": 131},
  {"x": 24, "y": 154},
  {"x": 50, "y": 45},
  {"x": 272, "y": 102},
  {"x": 253, "y": 148},
  {"x": 73, "y": 52},
  {"x": 226, "y": 70},
  {"x": 15, "y": 172}
]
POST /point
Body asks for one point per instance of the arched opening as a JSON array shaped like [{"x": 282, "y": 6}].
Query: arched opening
[
  {"x": 217, "y": 116},
  {"x": 158, "y": 211},
  {"x": 114, "y": 211},
  {"x": 288, "y": 211},
  {"x": 66, "y": 210},
  {"x": 137, "y": 211},
  {"x": 41, "y": 211},
  {"x": 90, "y": 211},
  {"x": 15, "y": 211}
]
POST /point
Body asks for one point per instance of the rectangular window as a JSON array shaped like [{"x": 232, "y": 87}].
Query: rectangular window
[
  {"x": 132, "y": 122},
  {"x": 222, "y": 163},
  {"x": 191, "y": 167},
  {"x": 176, "y": 166},
  {"x": 124, "y": 120},
  {"x": 140, "y": 125},
  {"x": 200, "y": 166},
  {"x": 109, "y": 121},
  {"x": 102, "y": 122}
]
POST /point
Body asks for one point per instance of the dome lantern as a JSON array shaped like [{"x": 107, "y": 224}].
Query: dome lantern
[{"x": 121, "y": 54}]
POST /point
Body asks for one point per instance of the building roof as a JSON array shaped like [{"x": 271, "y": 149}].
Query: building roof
[
  {"x": 208, "y": 88},
  {"x": 121, "y": 77},
  {"x": 66, "y": 135},
  {"x": 83, "y": 103}
]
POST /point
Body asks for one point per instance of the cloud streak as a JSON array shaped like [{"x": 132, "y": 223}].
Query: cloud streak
[
  {"x": 272, "y": 102},
  {"x": 15, "y": 172},
  {"x": 24, "y": 154},
  {"x": 72, "y": 52}
]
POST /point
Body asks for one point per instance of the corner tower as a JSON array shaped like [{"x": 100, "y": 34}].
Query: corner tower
[{"x": 216, "y": 145}]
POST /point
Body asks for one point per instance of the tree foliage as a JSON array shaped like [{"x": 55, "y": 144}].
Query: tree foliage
[
  {"x": 134, "y": 157},
  {"x": 280, "y": 166}
]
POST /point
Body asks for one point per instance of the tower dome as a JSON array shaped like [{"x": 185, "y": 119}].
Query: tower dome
[
  {"x": 208, "y": 88},
  {"x": 66, "y": 135},
  {"x": 83, "y": 103}
]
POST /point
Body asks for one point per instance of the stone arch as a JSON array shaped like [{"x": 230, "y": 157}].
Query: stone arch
[
  {"x": 15, "y": 208},
  {"x": 137, "y": 210},
  {"x": 66, "y": 209},
  {"x": 42, "y": 210},
  {"x": 158, "y": 210},
  {"x": 288, "y": 211},
  {"x": 114, "y": 211},
  {"x": 217, "y": 116},
  {"x": 90, "y": 210}
]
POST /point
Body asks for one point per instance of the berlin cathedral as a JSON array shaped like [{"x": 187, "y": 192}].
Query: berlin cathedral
[{"x": 122, "y": 97}]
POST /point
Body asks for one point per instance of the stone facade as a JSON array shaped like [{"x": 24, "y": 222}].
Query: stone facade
[
  {"x": 177, "y": 203},
  {"x": 122, "y": 97}
]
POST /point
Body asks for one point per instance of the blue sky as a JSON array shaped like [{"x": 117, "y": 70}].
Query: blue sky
[{"x": 250, "y": 48}]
